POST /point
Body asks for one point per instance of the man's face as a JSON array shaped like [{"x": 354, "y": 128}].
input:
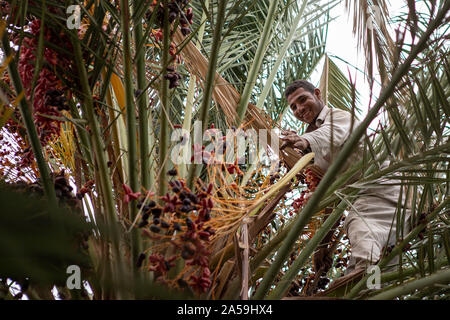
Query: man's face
[{"x": 305, "y": 105}]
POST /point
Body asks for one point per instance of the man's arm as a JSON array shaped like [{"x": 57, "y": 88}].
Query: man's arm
[{"x": 294, "y": 141}]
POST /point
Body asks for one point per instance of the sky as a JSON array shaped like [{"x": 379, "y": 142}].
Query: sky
[{"x": 342, "y": 43}]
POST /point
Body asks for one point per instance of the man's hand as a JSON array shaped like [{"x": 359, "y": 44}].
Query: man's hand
[
  {"x": 291, "y": 139},
  {"x": 322, "y": 260}
]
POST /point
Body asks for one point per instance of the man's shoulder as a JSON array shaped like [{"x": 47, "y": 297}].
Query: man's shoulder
[
  {"x": 340, "y": 117},
  {"x": 339, "y": 113}
]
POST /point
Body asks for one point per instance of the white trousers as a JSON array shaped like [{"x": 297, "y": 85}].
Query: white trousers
[{"x": 371, "y": 224}]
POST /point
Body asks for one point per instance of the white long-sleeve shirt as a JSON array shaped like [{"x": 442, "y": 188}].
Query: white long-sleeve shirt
[
  {"x": 328, "y": 134},
  {"x": 371, "y": 222}
]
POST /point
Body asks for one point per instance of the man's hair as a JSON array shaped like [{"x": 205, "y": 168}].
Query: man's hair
[{"x": 308, "y": 86}]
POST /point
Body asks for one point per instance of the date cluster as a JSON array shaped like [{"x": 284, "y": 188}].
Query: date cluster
[{"x": 182, "y": 215}]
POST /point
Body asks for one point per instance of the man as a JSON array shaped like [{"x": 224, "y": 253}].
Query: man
[{"x": 371, "y": 222}]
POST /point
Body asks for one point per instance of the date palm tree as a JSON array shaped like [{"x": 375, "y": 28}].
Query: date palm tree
[{"x": 90, "y": 118}]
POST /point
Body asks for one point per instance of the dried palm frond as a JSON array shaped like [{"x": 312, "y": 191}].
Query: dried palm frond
[{"x": 369, "y": 24}]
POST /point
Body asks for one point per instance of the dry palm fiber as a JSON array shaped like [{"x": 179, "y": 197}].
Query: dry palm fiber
[{"x": 227, "y": 97}]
